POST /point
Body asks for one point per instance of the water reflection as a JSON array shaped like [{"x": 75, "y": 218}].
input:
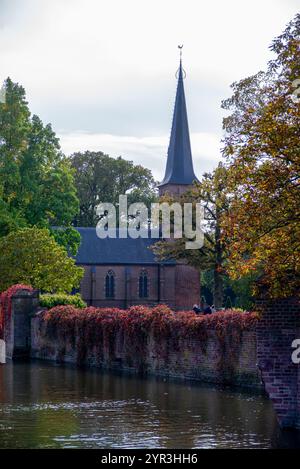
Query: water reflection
[{"x": 46, "y": 406}]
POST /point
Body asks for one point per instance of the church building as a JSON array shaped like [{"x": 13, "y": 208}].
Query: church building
[{"x": 121, "y": 272}]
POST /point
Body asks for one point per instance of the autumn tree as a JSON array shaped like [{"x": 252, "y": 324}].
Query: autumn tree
[
  {"x": 262, "y": 147},
  {"x": 31, "y": 256},
  {"x": 100, "y": 178}
]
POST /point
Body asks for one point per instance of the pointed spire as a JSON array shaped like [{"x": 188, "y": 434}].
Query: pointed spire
[{"x": 179, "y": 168}]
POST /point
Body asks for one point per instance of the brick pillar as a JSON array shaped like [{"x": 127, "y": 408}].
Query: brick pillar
[
  {"x": 162, "y": 280},
  {"x": 18, "y": 329},
  {"x": 127, "y": 301},
  {"x": 93, "y": 285},
  {"x": 278, "y": 328}
]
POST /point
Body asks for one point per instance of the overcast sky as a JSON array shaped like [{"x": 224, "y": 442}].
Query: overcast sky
[{"x": 103, "y": 71}]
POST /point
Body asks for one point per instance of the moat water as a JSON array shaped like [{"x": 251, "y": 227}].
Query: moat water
[{"x": 48, "y": 406}]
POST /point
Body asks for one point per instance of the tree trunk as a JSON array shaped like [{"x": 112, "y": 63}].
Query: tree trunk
[
  {"x": 218, "y": 288},
  {"x": 218, "y": 274}
]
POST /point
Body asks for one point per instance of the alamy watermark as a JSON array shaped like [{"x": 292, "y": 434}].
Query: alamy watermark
[
  {"x": 296, "y": 353},
  {"x": 2, "y": 351},
  {"x": 162, "y": 221},
  {"x": 2, "y": 95},
  {"x": 296, "y": 343},
  {"x": 296, "y": 93}
]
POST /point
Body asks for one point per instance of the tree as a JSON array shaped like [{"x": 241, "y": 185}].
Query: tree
[
  {"x": 47, "y": 193},
  {"x": 67, "y": 237},
  {"x": 14, "y": 128},
  {"x": 239, "y": 290},
  {"x": 36, "y": 180},
  {"x": 263, "y": 153},
  {"x": 31, "y": 256},
  {"x": 211, "y": 193},
  {"x": 100, "y": 178},
  {"x": 10, "y": 219}
]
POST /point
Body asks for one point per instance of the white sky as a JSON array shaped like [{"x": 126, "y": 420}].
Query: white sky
[{"x": 102, "y": 71}]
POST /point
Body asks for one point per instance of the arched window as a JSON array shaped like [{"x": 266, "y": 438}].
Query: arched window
[
  {"x": 110, "y": 284},
  {"x": 143, "y": 285}
]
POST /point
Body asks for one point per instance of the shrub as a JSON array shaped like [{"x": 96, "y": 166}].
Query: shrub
[
  {"x": 48, "y": 300},
  {"x": 31, "y": 256}
]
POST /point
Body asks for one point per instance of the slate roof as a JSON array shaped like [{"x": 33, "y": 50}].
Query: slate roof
[
  {"x": 96, "y": 251},
  {"x": 179, "y": 169}
]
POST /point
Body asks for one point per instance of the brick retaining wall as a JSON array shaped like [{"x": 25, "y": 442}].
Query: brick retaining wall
[
  {"x": 278, "y": 328},
  {"x": 184, "y": 360},
  {"x": 260, "y": 359}
]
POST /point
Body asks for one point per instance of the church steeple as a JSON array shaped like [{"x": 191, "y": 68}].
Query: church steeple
[{"x": 179, "y": 171}]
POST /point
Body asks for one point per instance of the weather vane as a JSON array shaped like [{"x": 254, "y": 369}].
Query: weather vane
[{"x": 180, "y": 47}]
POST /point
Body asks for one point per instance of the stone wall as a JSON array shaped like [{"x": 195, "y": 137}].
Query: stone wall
[
  {"x": 184, "y": 359},
  {"x": 17, "y": 329},
  {"x": 278, "y": 328}
]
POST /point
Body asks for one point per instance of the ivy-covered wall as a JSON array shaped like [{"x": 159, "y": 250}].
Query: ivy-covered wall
[{"x": 220, "y": 348}]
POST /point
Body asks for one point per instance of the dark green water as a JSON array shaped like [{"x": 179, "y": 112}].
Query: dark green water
[{"x": 46, "y": 406}]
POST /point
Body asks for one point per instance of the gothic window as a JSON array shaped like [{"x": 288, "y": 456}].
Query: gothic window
[
  {"x": 110, "y": 284},
  {"x": 143, "y": 285}
]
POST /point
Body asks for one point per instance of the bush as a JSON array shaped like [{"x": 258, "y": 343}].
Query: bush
[
  {"x": 48, "y": 300},
  {"x": 31, "y": 256}
]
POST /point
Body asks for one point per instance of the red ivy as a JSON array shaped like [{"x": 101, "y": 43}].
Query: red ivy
[
  {"x": 5, "y": 304},
  {"x": 91, "y": 328}
]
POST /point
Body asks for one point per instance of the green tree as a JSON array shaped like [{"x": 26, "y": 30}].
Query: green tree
[
  {"x": 67, "y": 237},
  {"x": 242, "y": 289},
  {"x": 36, "y": 180},
  {"x": 32, "y": 256},
  {"x": 10, "y": 219},
  {"x": 47, "y": 193},
  {"x": 14, "y": 128},
  {"x": 239, "y": 290},
  {"x": 100, "y": 178}
]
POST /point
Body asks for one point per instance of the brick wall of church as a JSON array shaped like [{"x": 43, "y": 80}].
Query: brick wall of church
[
  {"x": 127, "y": 285},
  {"x": 177, "y": 286},
  {"x": 187, "y": 286}
]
